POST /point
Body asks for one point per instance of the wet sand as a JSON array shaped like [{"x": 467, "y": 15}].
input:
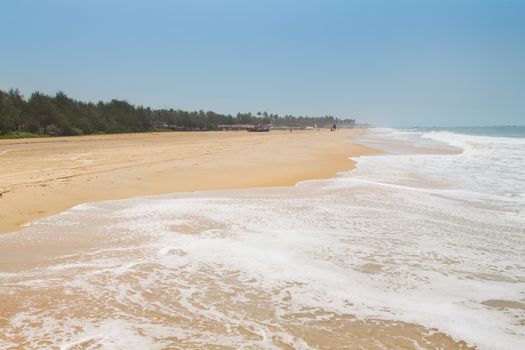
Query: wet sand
[
  {"x": 91, "y": 289},
  {"x": 93, "y": 281},
  {"x": 42, "y": 177}
]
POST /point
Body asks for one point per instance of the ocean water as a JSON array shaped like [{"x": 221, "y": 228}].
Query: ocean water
[
  {"x": 421, "y": 247},
  {"x": 492, "y": 131}
]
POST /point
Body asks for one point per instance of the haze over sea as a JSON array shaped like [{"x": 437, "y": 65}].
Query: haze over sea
[{"x": 423, "y": 246}]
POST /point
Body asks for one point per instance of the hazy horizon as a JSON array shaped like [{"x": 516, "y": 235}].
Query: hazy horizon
[{"x": 402, "y": 64}]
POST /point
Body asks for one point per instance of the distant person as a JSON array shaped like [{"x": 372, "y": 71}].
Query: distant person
[{"x": 334, "y": 127}]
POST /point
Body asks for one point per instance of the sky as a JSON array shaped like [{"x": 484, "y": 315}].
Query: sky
[{"x": 390, "y": 63}]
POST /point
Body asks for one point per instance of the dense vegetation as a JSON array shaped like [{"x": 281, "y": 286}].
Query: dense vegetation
[{"x": 61, "y": 115}]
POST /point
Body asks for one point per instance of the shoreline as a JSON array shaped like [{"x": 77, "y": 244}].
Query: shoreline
[
  {"x": 48, "y": 176},
  {"x": 255, "y": 241}
]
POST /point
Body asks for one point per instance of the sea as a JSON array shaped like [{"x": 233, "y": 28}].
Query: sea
[{"x": 421, "y": 246}]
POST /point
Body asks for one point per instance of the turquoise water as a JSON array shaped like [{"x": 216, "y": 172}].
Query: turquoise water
[{"x": 494, "y": 131}]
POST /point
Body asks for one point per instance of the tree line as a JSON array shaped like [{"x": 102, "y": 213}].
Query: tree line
[{"x": 61, "y": 115}]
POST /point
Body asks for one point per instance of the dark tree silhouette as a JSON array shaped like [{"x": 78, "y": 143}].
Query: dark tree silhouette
[{"x": 62, "y": 115}]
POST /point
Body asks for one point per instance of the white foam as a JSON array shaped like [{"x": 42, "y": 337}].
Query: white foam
[{"x": 407, "y": 237}]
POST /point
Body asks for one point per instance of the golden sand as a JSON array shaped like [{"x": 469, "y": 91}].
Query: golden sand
[
  {"x": 46, "y": 176},
  {"x": 41, "y": 177}
]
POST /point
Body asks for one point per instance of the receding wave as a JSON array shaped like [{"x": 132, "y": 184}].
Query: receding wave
[{"x": 403, "y": 252}]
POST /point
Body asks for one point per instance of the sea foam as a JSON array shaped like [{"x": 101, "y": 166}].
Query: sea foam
[{"x": 428, "y": 236}]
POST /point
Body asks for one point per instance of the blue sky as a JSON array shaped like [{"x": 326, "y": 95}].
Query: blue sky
[{"x": 391, "y": 63}]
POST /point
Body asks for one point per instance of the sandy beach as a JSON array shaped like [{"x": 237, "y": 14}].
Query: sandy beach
[
  {"x": 366, "y": 190},
  {"x": 41, "y": 177},
  {"x": 366, "y": 259}
]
